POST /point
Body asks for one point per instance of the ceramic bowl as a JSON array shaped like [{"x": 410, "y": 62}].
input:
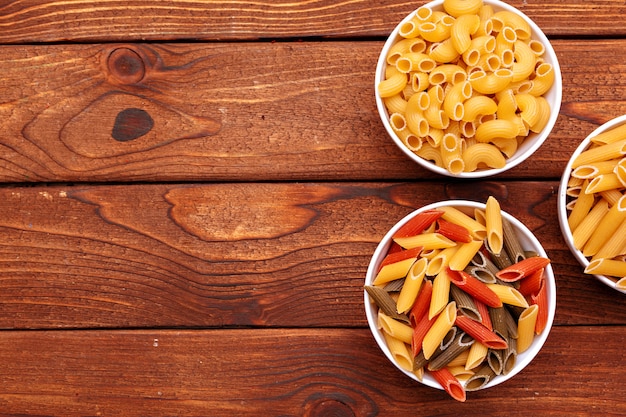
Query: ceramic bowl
[
  {"x": 529, "y": 145},
  {"x": 529, "y": 243},
  {"x": 564, "y": 199}
]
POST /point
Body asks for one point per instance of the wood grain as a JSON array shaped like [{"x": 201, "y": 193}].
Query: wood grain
[
  {"x": 37, "y": 21},
  {"x": 213, "y": 112},
  {"x": 224, "y": 255},
  {"x": 292, "y": 372}
]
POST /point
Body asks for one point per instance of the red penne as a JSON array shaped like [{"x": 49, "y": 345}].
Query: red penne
[
  {"x": 483, "y": 310},
  {"x": 541, "y": 299},
  {"x": 394, "y": 257},
  {"x": 453, "y": 231},
  {"x": 394, "y": 247},
  {"x": 480, "y": 333},
  {"x": 522, "y": 269},
  {"x": 419, "y": 332},
  {"x": 531, "y": 284},
  {"x": 417, "y": 224},
  {"x": 422, "y": 303},
  {"x": 449, "y": 383},
  {"x": 474, "y": 287}
]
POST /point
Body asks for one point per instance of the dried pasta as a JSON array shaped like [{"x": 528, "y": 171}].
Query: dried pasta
[
  {"x": 449, "y": 321},
  {"x": 596, "y": 213}
]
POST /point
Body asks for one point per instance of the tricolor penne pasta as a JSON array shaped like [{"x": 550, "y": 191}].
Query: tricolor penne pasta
[{"x": 447, "y": 319}]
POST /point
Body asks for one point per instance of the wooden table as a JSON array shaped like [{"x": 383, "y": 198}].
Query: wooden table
[{"x": 192, "y": 191}]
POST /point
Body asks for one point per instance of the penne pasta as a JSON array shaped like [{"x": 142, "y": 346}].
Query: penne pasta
[
  {"x": 411, "y": 287},
  {"x": 508, "y": 295},
  {"x": 450, "y": 384},
  {"x": 440, "y": 327},
  {"x": 493, "y": 220},
  {"x": 526, "y": 328},
  {"x": 480, "y": 333}
]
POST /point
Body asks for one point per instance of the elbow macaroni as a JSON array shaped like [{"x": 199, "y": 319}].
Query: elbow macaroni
[{"x": 485, "y": 79}]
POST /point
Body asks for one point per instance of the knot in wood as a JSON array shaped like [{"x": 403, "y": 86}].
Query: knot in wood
[
  {"x": 126, "y": 66},
  {"x": 329, "y": 408}
]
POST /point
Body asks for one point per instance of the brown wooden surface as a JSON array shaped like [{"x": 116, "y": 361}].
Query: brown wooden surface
[{"x": 205, "y": 254}]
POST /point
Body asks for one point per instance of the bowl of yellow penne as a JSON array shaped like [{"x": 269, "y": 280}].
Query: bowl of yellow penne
[
  {"x": 592, "y": 203},
  {"x": 468, "y": 88},
  {"x": 460, "y": 296}
]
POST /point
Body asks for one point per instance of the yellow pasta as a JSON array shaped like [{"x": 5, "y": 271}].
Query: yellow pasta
[
  {"x": 493, "y": 223},
  {"x": 476, "y": 62},
  {"x": 581, "y": 208},
  {"x": 508, "y": 295},
  {"x": 425, "y": 241},
  {"x": 604, "y": 152},
  {"x": 395, "y": 328},
  {"x": 454, "y": 215},
  {"x": 526, "y": 328},
  {"x": 451, "y": 149},
  {"x": 477, "y": 354},
  {"x": 393, "y": 271},
  {"x": 604, "y": 266},
  {"x": 440, "y": 294},
  {"x": 440, "y": 260},
  {"x": 590, "y": 222},
  {"x": 412, "y": 284},
  {"x": 615, "y": 245},
  {"x": 493, "y": 129},
  {"x": 604, "y": 182},
  {"x": 400, "y": 352},
  {"x": 594, "y": 169},
  {"x": 464, "y": 255},
  {"x": 392, "y": 85},
  {"x": 439, "y": 329},
  {"x": 517, "y": 23},
  {"x": 615, "y": 134},
  {"x": 460, "y": 7}
]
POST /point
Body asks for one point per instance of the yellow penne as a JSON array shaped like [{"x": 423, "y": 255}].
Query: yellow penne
[
  {"x": 615, "y": 245},
  {"x": 615, "y": 134},
  {"x": 477, "y": 354},
  {"x": 605, "y": 152},
  {"x": 439, "y": 329},
  {"x": 426, "y": 241},
  {"x": 440, "y": 260},
  {"x": 412, "y": 285},
  {"x": 440, "y": 295},
  {"x": 454, "y": 215},
  {"x": 604, "y": 182},
  {"x": 399, "y": 351},
  {"x": 395, "y": 328},
  {"x": 460, "y": 359},
  {"x": 493, "y": 221},
  {"x": 393, "y": 271},
  {"x": 605, "y": 228},
  {"x": 464, "y": 255},
  {"x": 610, "y": 267},
  {"x": 581, "y": 208},
  {"x": 526, "y": 328},
  {"x": 508, "y": 295},
  {"x": 583, "y": 231}
]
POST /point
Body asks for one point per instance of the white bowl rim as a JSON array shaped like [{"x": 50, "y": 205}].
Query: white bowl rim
[
  {"x": 524, "y": 358},
  {"x": 562, "y": 199},
  {"x": 527, "y": 149}
]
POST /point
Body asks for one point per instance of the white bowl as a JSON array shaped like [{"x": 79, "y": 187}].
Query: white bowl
[
  {"x": 563, "y": 199},
  {"x": 529, "y": 145},
  {"x": 528, "y": 241}
]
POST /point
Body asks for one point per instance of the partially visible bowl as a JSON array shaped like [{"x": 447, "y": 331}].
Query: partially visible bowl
[
  {"x": 529, "y": 243},
  {"x": 567, "y": 197},
  {"x": 530, "y": 143}
]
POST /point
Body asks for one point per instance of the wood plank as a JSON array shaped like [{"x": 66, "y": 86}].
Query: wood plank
[
  {"x": 216, "y": 112},
  {"x": 266, "y": 255},
  {"x": 296, "y": 372},
  {"x": 36, "y": 21}
]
